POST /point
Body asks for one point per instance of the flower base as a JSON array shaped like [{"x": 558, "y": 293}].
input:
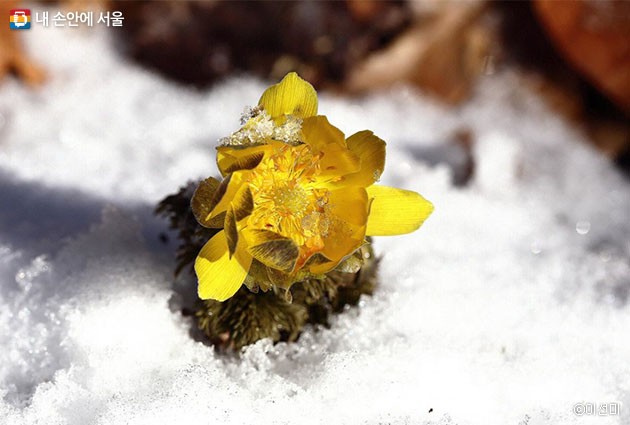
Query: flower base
[{"x": 277, "y": 314}]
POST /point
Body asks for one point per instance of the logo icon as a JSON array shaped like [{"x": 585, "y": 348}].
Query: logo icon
[{"x": 20, "y": 19}]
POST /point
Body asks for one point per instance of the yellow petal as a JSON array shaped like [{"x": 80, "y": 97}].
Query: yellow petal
[
  {"x": 337, "y": 161},
  {"x": 219, "y": 276},
  {"x": 230, "y": 159},
  {"x": 316, "y": 259},
  {"x": 280, "y": 278},
  {"x": 272, "y": 249},
  {"x": 395, "y": 211},
  {"x": 328, "y": 142},
  {"x": 243, "y": 203},
  {"x": 318, "y": 132},
  {"x": 234, "y": 182},
  {"x": 352, "y": 263},
  {"x": 291, "y": 96},
  {"x": 318, "y": 263},
  {"x": 203, "y": 201},
  {"x": 371, "y": 152},
  {"x": 230, "y": 230},
  {"x": 350, "y": 204},
  {"x": 347, "y": 217},
  {"x": 337, "y": 248}
]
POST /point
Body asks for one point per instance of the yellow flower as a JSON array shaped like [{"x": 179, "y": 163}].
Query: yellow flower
[{"x": 297, "y": 198}]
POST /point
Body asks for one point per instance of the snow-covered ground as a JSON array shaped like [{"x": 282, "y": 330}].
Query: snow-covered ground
[{"x": 509, "y": 306}]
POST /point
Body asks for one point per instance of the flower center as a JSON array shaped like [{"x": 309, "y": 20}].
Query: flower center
[
  {"x": 292, "y": 199},
  {"x": 286, "y": 200}
]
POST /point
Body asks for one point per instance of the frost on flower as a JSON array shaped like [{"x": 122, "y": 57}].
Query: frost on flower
[{"x": 259, "y": 127}]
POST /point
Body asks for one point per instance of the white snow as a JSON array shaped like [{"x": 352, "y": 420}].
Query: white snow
[{"x": 509, "y": 306}]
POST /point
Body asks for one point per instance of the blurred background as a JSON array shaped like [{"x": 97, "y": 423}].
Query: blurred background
[{"x": 575, "y": 54}]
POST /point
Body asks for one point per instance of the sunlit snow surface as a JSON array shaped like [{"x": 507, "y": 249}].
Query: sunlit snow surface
[{"x": 509, "y": 306}]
